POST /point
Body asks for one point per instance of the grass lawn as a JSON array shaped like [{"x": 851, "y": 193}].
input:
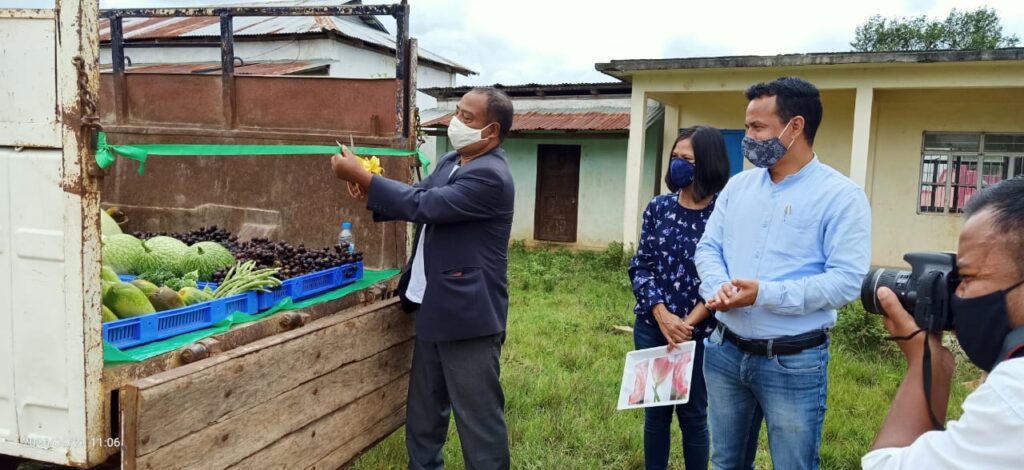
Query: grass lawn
[{"x": 563, "y": 359}]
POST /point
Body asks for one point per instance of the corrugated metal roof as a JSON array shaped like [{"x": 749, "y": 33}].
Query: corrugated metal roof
[
  {"x": 209, "y": 27},
  {"x": 261, "y": 68},
  {"x": 612, "y": 119},
  {"x": 538, "y": 89}
]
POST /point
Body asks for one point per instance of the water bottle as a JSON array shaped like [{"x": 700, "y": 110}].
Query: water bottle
[{"x": 346, "y": 238}]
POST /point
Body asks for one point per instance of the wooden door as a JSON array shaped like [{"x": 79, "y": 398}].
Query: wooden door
[{"x": 558, "y": 184}]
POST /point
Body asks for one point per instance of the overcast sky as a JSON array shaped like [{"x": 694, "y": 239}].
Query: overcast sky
[{"x": 554, "y": 41}]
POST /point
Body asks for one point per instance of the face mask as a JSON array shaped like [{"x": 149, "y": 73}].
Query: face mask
[
  {"x": 680, "y": 174},
  {"x": 981, "y": 324},
  {"x": 462, "y": 135},
  {"x": 765, "y": 153}
]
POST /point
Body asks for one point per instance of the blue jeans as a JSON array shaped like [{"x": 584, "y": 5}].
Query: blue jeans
[
  {"x": 788, "y": 390},
  {"x": 693, "y": 416}
]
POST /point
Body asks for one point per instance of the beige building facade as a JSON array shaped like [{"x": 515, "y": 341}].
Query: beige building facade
[{"x": 919, "y": 131}]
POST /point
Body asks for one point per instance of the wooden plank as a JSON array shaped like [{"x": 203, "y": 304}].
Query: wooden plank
[
  {"x": 179, "y": 402},
  {"x": 345, "y": 432},
  {"x": 117, "y": 377},
  {"x": 129, "y": 399},
  {"x": 233, "y": 439},
  {"x": 347, "y": 453}
]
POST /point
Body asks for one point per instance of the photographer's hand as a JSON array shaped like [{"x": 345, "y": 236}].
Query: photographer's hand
[
  {"x": 908, "y": 417},
  {"x": 900, "y": 323}
]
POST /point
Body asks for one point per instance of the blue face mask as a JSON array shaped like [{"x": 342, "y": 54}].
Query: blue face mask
[
  {"x": 765, "y": 153},
  {"x": 680, "y": 174}
]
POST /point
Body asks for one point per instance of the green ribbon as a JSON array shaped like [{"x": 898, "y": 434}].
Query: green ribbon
[{"x": 107, "y": 154}]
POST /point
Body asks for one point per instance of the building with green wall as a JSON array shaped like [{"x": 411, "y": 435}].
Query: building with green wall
[{"x": 567, "y": 150}]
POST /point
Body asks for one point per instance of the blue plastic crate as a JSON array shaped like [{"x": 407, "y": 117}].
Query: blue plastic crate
[
  {"x": 349, "y": 273},
  {"x": 311, "y": 285},
  {"x": 301, "y": 287},
  {"x": 245, "y": 303},
  {"x": 269, "y": 299},
  {"x": 131, "y": 332}
]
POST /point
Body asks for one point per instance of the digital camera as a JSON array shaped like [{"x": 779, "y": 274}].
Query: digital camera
[{"x": 924, "y": 291}]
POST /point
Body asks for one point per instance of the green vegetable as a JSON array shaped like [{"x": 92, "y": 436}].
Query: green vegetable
[
  {"x": 108, "y": 274},
  {"x": 191, "y": 295},
  {"x": 161, "y": 253},
  {"x": 127, "y": 301},
  {"x": 243, "y": 278},
  {"x": 207, "y": 258},
  {"x": 187, "y": 280},
  {"x": 168, "y": 278},
  {"x": 108, "y": 314},
  {"x": 107, "y": 224},
  {"x": 121, "y": 252}
]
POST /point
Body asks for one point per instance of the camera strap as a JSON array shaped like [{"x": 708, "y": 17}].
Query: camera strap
[{"x": 926, "y": 370}]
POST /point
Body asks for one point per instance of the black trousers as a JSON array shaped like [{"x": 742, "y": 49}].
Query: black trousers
[{"x": 462, "y": 376}]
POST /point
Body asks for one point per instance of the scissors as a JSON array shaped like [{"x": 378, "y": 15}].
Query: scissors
[{"x": 353, "y": 189}]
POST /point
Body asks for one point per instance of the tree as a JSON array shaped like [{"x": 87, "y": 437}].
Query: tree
[{"x": 978, "y": 29}]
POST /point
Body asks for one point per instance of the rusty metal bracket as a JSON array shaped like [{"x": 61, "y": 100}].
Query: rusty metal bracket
[
  {"x": 199, "y": 350},
  {"x": 86, "y": 100},
  {"x": 295, "y": 319},
  {"x": 371, "y": 294},
  {"x": 420, "y": 139},
  {"x": 89, "y": 120}
]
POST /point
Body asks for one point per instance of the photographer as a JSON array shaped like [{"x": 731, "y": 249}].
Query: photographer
[{"x": 987, "y": 310}]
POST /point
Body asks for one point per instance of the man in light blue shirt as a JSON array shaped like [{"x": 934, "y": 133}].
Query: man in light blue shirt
[{"x": 787, "y": 244}]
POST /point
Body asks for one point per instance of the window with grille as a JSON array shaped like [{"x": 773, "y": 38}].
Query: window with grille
[{"x": 955, "y": 165}]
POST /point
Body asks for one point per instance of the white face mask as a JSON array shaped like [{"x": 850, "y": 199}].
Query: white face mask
[{"x": 462, "y": 135}]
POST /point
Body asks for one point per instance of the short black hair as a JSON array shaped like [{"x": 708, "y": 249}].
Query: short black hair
[
  {"x": 499, "y": 109},
  {"x": 710, "y": 160},
  {"x": 1006, "y": 201},
  {"x": 793, "y": 97}
]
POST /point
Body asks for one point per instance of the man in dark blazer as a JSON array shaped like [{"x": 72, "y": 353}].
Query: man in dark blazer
[{"x": 458, "y": 279}]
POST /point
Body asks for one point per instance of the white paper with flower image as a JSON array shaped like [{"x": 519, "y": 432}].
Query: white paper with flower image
[{"x": 656, "y": 377}]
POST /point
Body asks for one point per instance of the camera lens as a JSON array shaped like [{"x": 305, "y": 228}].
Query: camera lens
[
  {"x": 881, "y": 278},
  {"x": 924, "y": 292}
]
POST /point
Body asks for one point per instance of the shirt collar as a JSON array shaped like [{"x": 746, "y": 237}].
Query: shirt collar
[
  {"x": 1013, "y": 342},
  {"x": 807, "y": 169}
]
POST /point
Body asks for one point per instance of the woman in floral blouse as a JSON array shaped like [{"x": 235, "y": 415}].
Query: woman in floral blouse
[{"x": 668, "y": 307}]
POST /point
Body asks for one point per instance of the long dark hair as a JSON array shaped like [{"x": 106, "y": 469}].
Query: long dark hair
[{"x": 711, "y": 162}]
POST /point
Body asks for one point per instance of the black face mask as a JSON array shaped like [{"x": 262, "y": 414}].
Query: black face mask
[{"x": 981, "y": 324}]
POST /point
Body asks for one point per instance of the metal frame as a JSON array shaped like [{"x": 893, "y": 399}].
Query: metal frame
[
  {"x": 405, "y": 50},
  {"x": 75, "y": 400},
  {"x": 28, "y": 13},
  {"x": 950, "y": 207}
]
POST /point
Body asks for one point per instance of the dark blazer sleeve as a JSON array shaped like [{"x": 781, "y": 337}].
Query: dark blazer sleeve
[
  {"x": 424, "y": 183},
  {"x": 475, "y": 194}
]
